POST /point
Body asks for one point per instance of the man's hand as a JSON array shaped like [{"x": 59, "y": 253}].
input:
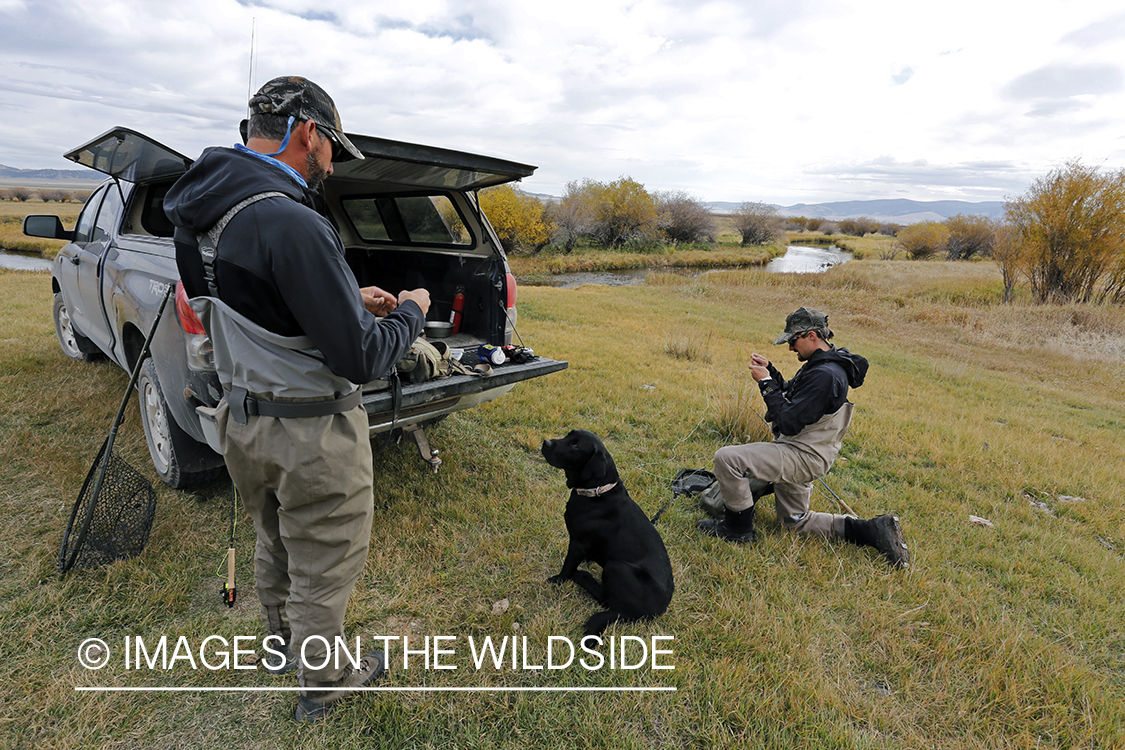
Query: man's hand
[
  {"x": 421, "y": 297},
  {"x": 758, "y": 365},
  {"x": 377, "y": 301}
]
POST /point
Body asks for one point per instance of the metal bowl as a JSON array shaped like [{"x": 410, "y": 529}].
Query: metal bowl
[{"x": 436, "y": 329}]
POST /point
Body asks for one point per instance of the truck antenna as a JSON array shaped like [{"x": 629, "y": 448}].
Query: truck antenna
[{"x": 250, "y": 76}]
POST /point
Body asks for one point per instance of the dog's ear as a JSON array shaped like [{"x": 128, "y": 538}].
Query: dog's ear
[{"x": 600, "y": 467}]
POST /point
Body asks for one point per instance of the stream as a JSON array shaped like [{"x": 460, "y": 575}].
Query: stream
[{"x": 797, "y": 259}]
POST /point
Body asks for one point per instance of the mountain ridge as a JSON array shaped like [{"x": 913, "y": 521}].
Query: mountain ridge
[
  {"x": 48, "y": 177},
  {"x": 890, "y": 210}
]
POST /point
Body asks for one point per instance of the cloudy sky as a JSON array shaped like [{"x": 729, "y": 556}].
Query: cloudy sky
[{"x": 783, "y": 101}]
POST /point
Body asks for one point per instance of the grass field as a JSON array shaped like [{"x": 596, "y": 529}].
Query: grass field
[
  {"x": 11, "y": 225},
  {"x": 1006, "y": 635}
]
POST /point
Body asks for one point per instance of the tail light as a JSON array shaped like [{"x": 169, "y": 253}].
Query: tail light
[
  {"x": 189, "y": 321},
  {"x": 200, "y": 352},
  {"x": 510, "y": 282}
]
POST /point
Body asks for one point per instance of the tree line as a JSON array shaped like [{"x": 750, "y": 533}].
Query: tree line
[
  {"x": 1065, "y": 236},
  {"x": 620, "y": 214},
  {"x": 47, "y": 195}
]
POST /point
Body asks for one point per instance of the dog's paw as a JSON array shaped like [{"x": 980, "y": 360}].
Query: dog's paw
[{"x": 557, "y": 579}]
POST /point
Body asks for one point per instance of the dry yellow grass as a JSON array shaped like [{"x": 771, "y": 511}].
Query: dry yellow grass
[
  {"x": 1005, "y": 636},
  {"x": 11, "y": 225}
]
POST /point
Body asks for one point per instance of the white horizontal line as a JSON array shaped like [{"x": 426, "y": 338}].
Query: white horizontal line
[{"x": 377, "y": 689}]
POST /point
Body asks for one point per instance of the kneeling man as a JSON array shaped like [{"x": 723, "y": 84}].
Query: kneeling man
[{"x": 809, "y": 415}]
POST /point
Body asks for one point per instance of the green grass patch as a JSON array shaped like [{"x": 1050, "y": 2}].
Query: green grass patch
[{"x": 1006, "y": 635}]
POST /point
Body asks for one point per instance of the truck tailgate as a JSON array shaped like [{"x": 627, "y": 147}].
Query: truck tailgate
[{"x": 416, "y": 397}]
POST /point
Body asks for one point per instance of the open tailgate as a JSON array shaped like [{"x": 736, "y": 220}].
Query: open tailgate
[{"x": 419, "y": 398}]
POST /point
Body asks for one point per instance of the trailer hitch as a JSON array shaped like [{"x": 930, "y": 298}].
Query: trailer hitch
[{"x": 429, "y": 455}]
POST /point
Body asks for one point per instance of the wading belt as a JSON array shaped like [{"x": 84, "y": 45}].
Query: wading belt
[{"x": 242, "y": 405}]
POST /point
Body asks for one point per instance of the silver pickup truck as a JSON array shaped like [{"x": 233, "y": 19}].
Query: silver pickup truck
[{"x": 408, "y": 216}]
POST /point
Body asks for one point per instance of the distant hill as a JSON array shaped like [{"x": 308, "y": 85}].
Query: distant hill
[
  {"x": 896, "y": 211},
  {"x": 59, "y": 178}
]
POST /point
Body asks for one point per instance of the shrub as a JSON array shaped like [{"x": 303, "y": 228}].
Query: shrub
[
  {"x": 623, "y": 212},
  {"x": 517, "y": 217},
  {"x": 969, "y": 236},
  {"x": 924, "y": 239},
  {"x": 758, "y": 223},
  {"x": 683, "y": 218},
  {"x": 612, "y": 213},
  {"x": 1070, "y": 232},
  {"x": 572, "y": 216},
  {"x": 859, "y": 226}
]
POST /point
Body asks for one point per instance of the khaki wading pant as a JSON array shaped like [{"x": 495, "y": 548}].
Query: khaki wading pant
[
  {"x": 306, "y": 483},
  {"x": 792, "y": 464}
]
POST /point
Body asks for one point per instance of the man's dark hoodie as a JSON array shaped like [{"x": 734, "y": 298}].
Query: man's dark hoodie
[
  {"x": 281, "y": 264},
  {"x": 820, "y": 387}
]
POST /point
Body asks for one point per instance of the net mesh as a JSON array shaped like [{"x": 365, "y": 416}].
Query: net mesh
[{"x": 110, "y": 522}]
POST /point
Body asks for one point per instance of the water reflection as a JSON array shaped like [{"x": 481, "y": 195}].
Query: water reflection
[
  {"x": 808, "y": 259},
  {"x": 18, "y": 262}
]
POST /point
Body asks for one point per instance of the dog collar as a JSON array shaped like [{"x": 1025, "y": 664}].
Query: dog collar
[{"x": 595, "y": 491}]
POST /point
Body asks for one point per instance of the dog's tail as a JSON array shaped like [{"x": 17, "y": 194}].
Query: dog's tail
[{"x": 597, "y": 624}]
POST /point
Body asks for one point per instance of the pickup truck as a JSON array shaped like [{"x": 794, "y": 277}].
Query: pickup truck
[{"x": 408, "y": 216}]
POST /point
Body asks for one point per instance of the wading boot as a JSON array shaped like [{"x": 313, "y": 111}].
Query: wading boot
[
  {"x": 883, "y": 533},
  {"x": 280, "y": 659},
  {"x": 279, "y": 640},
  {"x": 319, "y": 698},
  {"x": 737, "y": 526}
]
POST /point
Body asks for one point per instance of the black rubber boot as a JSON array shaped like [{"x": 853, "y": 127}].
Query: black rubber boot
[
  {"x": 736, "y": 527},
  {"x": 883, "y": 533}
]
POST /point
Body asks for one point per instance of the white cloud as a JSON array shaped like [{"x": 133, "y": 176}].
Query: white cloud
[{"x": 786, "y": 102}]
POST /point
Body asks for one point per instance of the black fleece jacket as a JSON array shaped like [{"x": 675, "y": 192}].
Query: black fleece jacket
[
  {"x": 281, "y": 263},
  {"x": 820, "y": 387}
]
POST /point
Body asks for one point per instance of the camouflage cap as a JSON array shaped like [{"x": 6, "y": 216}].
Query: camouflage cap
[
  {"x": 301, "y": 98},
  {"x": 802, "y": 320}
]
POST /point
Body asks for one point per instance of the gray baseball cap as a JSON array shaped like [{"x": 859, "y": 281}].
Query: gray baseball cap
[
  {"x": 802, "y": 320},
  {"x": 304, "y": 100}
]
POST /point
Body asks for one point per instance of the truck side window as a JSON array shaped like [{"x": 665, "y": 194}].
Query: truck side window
[
  {"x": 109, "y": 213},
  {"x": 407, "y": 220},
  {"x": 85, "y": 225}
]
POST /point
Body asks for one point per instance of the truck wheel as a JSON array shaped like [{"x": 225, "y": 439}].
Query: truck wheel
[
  {"x": 74, "y": 344},
  {"x": 170, "y": 447}
]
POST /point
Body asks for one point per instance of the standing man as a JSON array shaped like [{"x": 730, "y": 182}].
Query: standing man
[
  {"x": 809, "y": 415},
  {"x": 293, "y": 336}
]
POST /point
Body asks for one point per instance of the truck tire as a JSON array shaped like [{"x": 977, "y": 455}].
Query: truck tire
[
  {"x": 73, "y": 344},
  {"x": 170, "y": 447}
]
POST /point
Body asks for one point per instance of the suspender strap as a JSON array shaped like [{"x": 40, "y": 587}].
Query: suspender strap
[{"x": 209, "y": 240}]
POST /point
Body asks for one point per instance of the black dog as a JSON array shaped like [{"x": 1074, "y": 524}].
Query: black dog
[{"x": 608, "y": 528}]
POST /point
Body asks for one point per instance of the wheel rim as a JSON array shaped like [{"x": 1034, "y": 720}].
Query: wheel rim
[
  {"x": 66, "y": 332},
  {"x": 157, "y": 421}
]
